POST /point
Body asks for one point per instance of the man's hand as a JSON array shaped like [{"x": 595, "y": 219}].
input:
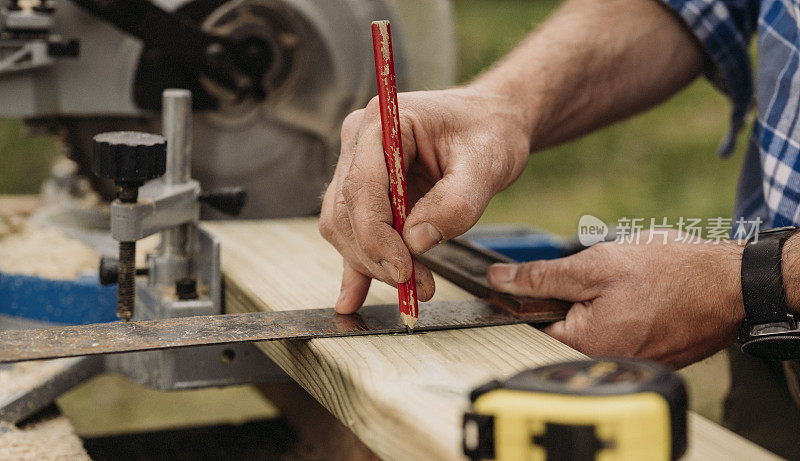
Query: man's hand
[
  {"x": 461, "y": 147},
  {"x": 591, "y": 63},
  {"x": 675, "y": 303}
]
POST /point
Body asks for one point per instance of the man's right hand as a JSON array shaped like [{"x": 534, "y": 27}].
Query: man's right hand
[
  {"x": 591, "y": 63},
  {"x": 462, "y": 146}
]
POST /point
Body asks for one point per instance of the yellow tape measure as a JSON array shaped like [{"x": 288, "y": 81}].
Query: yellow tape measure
[{"x": 609, "y": 409}]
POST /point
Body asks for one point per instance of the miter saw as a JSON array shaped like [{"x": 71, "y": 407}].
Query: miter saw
[{"x": 270, "y": 82}]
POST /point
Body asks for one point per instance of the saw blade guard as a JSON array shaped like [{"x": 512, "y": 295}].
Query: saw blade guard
[{"x": 281, "y": 146}]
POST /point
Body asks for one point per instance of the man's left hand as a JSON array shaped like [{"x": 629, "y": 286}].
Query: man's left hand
[{"x": 669, "y": 301}]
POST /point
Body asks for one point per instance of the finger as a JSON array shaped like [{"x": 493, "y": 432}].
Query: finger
[
  {"x": 556, "y": 330},
  {"x": 329, "y": 222},
  {"x": 334, "y": 222},
  {"x": 425, "y": 282},
  {"x": 351, "y": 128},
  {"x": 366, "y": 195},
  {"x": 572, "y": 331},
  {"x": 355, "y": 287},
  {"x": 557, "y": 278},
  {"x": 342, "y": 238},
  {"x": 450, "y": 208},
  {"x": 426, "y": 286}
]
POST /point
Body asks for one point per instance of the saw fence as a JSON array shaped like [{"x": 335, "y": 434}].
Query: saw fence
[{"x": 402, "y": 395}]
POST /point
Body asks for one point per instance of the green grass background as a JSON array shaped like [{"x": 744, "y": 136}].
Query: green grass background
[{"x": 662, "y": 163}]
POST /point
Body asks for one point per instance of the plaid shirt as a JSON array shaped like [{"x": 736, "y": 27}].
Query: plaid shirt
[{"x": 769, "y": 187}]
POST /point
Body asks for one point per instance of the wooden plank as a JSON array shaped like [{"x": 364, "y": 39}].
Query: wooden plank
[
  {"x": 402, "y": 395},
  {"x": 18, "y": 205}
]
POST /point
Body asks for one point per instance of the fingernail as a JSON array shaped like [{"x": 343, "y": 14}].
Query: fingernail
[
  {"x": 341, "y": 296},
  {"x": 423, "y": 237},
  {"x": 393, "y": 271},
  {"x": 502, "y": 273}
]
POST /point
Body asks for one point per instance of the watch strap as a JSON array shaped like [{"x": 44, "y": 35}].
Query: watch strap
[{"x": 762, "y": 277}]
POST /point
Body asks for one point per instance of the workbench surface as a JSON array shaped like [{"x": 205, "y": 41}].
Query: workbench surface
[{"x": 402, "y": 395}]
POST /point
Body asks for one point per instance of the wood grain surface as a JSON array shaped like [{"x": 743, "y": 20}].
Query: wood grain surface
[{"x": 402, "y": 395}]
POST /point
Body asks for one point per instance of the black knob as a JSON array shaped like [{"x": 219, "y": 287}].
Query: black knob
[
  {"x": 109, "y": 271},
  {"x": 128, "y": 157},
  {"x": 46, "y": 7},
  {"x": 64, "y": 48},
  {"x": 229, "y": 200},
  {"x": 186, "y": 288}
]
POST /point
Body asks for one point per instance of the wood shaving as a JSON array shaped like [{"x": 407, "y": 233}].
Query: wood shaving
[
  {"x": 50, "y": 439},
  {"x": 45, "y": 252},
  {"x": 11, "y": 224}
]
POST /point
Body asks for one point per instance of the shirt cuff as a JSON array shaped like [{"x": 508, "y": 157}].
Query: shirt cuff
[{"x": 725, "y": 44}]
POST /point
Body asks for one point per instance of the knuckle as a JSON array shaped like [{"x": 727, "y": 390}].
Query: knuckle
[
  {"x": 353, "y": 118},
  {"x": 362, "y": 194},
  {"x": 532, "y": 274},
  {"x": 600, "y": 250},
  {"x": 579, "y": 338},
  {"x": 499, "y": 172},
  {"x": 465, "y": 207},
  {"x": 326, "y": 228},
  {"x": 373, "y": 107},
  {"x": 453, "y": 211},
  {"x": 597, "y": 260},
  {"x": 327, "y": 220},
  {"x": 342, "y": 220},
  {"x": 352, "y": 186},
  {"x": 373, "y": 246},
  {"x": 351, "y": 123}
]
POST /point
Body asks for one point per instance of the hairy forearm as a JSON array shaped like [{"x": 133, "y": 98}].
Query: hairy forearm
[{"x": 594, "y": 62}]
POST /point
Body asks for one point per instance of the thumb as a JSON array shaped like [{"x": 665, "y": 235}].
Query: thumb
[
  {"x": 449, "y": 209},
  {"x": 557, "y": 278}
]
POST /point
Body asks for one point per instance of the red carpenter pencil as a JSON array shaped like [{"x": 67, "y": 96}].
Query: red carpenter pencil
[{"x": 393, "y": 154}]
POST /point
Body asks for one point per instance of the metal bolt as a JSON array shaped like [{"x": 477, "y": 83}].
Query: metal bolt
[{"x": 126, "y": 282}]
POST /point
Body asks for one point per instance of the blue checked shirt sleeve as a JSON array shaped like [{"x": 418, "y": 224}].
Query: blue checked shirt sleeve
[{"x": 724, "y": 28}]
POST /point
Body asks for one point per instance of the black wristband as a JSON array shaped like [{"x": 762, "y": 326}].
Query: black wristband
[{"x": 762, "y": 277}]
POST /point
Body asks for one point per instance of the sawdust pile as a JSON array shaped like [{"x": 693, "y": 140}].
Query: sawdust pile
[
  {"x": 11, "y": 224},
  {"x": 46, "y": 252},
  {"x": 26, "y": 443}
]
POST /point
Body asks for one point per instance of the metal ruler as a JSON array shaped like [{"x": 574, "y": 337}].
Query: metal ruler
[
  {"x": 114, "y": 337},
  {"x": 459, "y": 261}
]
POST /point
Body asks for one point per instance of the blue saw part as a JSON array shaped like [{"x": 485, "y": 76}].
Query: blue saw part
[
  {"x": 78, "y": 301},
  {"x": 527, "y": 247}
]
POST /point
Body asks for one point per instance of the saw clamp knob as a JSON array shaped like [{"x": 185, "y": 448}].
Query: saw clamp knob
[
  {"x": 157, "y": 195},
  {"x": 130, "y": 159}
]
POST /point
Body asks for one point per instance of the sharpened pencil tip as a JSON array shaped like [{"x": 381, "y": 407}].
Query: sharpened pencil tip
[{"x": 409, "y": 321}]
